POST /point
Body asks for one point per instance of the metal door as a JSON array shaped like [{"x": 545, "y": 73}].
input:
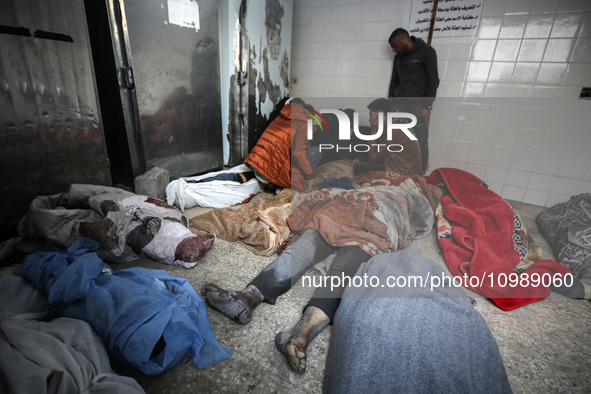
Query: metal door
[
  {"x": 170, "y": 81},
  {"x": 51, "y": 134}
]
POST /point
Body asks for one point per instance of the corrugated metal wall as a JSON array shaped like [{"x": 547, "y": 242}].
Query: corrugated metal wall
[{"x": 50, "y": 126}]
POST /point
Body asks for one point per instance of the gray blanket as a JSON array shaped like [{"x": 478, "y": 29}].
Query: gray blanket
[
  {"x": 567, "y": 227},
  {"x": 410, "y": 338}
]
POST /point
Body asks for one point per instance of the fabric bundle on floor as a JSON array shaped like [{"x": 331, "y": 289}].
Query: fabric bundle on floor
[
  {"x": 261, "y": 225},
  {"x": 148, "y": 319},
  {"x": 126, "y": 225},
  {"x": 211, "y": 190},
  {"x": 483, "y": 238},
  {"x": 409, "y": 338},
  {"x": 378, "y": 219},
  {"x": 567, "y": 226},
  {"x": 62, "y": 355}
]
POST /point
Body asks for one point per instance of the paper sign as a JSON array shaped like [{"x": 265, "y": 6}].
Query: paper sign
[
  {"x": 183, "y": 13},
  {"x": 454, "y": 18}
]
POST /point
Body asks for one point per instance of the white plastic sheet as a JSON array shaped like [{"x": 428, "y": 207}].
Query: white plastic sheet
[{"x": 211, "y": 194}]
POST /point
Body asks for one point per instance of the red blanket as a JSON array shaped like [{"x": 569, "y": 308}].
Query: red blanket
[{"x": 481, "y": 238}]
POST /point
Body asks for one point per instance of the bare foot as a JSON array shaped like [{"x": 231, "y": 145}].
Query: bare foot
[
  {"x": 293, "y": 348},
  {"x": 293, "y": 343},
  {"x": 237, "y": 305}
]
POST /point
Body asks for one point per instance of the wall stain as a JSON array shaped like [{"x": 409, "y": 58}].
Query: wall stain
[{"x": 274, "y": 13}]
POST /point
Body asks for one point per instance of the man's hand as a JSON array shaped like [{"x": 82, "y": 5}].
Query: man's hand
[{"x": 426, "y": 113}]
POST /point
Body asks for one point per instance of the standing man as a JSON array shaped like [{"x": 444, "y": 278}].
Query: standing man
[{"x": 414, "y": 83}]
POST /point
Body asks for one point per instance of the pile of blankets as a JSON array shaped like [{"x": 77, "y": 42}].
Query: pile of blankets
[
  {"x": 567, "y": 226},
  {"x": 62, "y": 355},
  {"x": 483, "y": 239},
  {"x": 148, "y": 319}
]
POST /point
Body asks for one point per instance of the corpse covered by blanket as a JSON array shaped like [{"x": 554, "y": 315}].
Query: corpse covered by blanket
[
  {"x": 148, "y": 319},
  {"x": 410, "y": 338},
  {"x": 62, "y": 355},
  {"x": 483, "y": 238},
  {"x": 567, "y": 226},
  {"x": 126, "y": 225}
]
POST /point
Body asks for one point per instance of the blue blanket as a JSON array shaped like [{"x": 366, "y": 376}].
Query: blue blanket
[{"x": 148, "y": 319}]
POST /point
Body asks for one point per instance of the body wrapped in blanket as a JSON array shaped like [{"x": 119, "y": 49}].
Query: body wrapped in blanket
[{"x": 354, "y": 224}]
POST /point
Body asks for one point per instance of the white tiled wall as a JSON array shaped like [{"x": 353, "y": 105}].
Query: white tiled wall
[{"x": 508, "y": 108}]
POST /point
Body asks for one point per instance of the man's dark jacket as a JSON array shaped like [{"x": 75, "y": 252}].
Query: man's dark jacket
[{"x": 414, "y": 74}]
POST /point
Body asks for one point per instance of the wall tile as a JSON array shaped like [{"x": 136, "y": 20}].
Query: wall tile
[
  {"x": 483, "y": 50},
  {"x": 490, "y": 26},
  {"x": 566, "y": 25},
  {"x": 586, "y": 26},
  {"x": 479, "y": 153},
  {"x": 525, "y": 73},
  {"x": 501, "y": 156},
  {"x": 464, "y": 131},
  {"x": 582, "y": 51},
  {"x": 572, "y": 5},
  {"x": 495, "y": 174},
  {"x": 551, "y": 73},
  {"x": 501, "y": 72},
  {"x": 518, "y": 7},
  {"x": 513, "y": 193},
  {"x": 566, "y": 186},
  {"x": 535, "y": 197},
  {"x": 495, "y": 187},
  {"x": 532, "y": 50},
  {"x": 456, "y": 70},
  {"x": 524, "y": 159},
  {"x": 371, "y": 12},
  {"x": 540, "y": 182},
  {"x": 453, "y": 163},
  {"x": 584, "y": 187},
  {"x": 336, "y": 33},
  {"x": 507, "y": 50},
  {"x": 478, "y": 71},
  {"x": 509, "y": 135},
  {"x": 539, "y": 26},
  {"x": 513, "y": 26},
  {"x": 459, "y": 150},
  {"x": 544, "y": 6},
  {"x": 558, "y": 50},
  {"x": 573, "y": 166},
  {"x": 474, "y": 89},
  {"x": 556, "y": 198},
  {"x": 476, "y": 169},
  {"x": 518, "y": 178}
]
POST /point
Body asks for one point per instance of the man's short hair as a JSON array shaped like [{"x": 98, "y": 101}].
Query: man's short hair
[
  {"x": 380, "y": 105},
  {"x": 398, "y": 32}
]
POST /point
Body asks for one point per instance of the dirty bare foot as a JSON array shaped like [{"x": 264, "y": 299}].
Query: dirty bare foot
[
  {"x": 293, "y": 343},
  {"x": 237, "y": 305}
]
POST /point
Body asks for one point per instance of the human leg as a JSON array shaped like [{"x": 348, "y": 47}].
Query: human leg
[
  {"x": 273, "y": 281},
  {"x": 320, "y": 310}
]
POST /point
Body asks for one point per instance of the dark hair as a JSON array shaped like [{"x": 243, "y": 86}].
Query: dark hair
[
  {"x": 380, "y": 105},
  {"x": 349, "y": 112},
  {"x": 297, "y": 100},
  {"x": 398, "y": 32}
]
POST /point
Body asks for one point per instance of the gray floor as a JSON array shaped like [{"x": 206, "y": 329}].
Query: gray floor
[{"x": 546, "y": 346}]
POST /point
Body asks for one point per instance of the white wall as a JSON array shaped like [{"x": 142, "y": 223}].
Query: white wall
[{"x": 508, "y": 109}]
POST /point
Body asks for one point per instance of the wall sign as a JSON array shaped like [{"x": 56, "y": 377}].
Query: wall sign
[
  {"x": 454, "y": 19},
  {"x": 184, "y": 13}
]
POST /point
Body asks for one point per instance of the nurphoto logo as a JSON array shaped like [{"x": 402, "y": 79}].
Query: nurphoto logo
[{"x": 394, "y": 121}]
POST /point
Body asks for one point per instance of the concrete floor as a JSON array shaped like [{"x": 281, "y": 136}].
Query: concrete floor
[{"x": 546, "y": 346}]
